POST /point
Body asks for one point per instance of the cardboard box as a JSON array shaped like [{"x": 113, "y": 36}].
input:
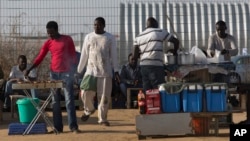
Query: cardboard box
[{"x": 153, "y": 103}]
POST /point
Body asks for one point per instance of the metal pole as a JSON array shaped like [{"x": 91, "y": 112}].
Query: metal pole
[{"x": 81, "y": 40}]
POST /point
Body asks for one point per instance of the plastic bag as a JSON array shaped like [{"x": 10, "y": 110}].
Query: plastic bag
[
  {"x": 218, "y": 57},
  {"x": 199, "y": 56},
  {"x": 89, "y": 82}
]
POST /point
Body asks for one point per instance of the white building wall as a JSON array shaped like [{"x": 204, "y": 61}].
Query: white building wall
[{"x": 192, "y": 22}]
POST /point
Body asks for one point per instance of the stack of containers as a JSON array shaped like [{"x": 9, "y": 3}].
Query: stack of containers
[
  {"x": 216, "y": 97},
  {"x": 170, "y": 97},
  {"x": 192, "y": 98}
]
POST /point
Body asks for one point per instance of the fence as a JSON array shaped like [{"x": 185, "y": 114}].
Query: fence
[{"x": 23, "y": 23}]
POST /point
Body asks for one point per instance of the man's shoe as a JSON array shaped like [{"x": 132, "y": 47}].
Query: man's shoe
[
  {"x": 104, "y": 123},
  {"x": 86, "y": 117},
  {"x": 76, "y": 131},
  {"x": 54, "y": 131}
]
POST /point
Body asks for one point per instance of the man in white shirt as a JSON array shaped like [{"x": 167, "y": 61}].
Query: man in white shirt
[
  {"x": 17, "y": 75},
  {"x": 99, "y": 56},
  {"x": 226, "y": 44},
  {"x": 223, "y": 42},
  {"x": 149, "y": 45}
]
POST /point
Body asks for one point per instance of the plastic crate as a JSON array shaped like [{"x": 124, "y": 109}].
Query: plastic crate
[
  {"x": 170, "y": 97},
  {"x": 216, "y": 97},
  {"x": 19, "y": 128},
  {"x": 192, "y": 98}
]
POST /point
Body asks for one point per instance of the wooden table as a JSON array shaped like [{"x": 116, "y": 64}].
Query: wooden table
[
  {"x": 164, "y": 124},
  {"x": 213, "y": 115},
  {"x": 40, "y": 109},
  {"x": 245, "y": 89}
]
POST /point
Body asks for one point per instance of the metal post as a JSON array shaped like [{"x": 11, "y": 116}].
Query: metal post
[{"x": 81, "y": 40}]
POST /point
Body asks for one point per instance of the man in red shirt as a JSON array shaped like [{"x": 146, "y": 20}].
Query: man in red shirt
[{"x": 63, "y": 56}]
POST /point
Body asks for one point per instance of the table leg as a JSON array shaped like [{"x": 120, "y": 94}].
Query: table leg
[
  {"x": 39, "y": 113},
  {"x": 248, "y": 105},
  {"x": 128, "y": 98},
  {"x": 216, "y": 130}
]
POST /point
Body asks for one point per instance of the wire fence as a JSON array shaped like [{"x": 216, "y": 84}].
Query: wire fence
[{"x": 192, "y": 21}]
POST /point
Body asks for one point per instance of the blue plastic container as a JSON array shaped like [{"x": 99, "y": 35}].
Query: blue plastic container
[
  {"x": 170, "y": 102},
  {"x": 216, "y": 98},
  {"x": 192, "y": 98},
  {"x": 170, "y": 94},
  {"x": 19, "y": 128}
]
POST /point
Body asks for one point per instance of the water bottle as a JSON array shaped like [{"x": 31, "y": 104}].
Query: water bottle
[{"x": 141, "y": 102}]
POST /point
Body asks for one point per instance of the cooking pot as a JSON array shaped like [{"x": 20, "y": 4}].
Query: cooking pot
[
  {"x": 186, "y": 59},
  {"x": 170, "y": 59}
]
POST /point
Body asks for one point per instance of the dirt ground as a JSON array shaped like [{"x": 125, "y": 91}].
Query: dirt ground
[{"x": 122, "y": 129}]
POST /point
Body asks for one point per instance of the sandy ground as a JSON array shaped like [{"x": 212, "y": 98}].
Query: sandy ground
[{"x": 122, "y": 129}]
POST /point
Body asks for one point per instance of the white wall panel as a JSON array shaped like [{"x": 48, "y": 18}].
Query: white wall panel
[{"x": 192, "y": 22}]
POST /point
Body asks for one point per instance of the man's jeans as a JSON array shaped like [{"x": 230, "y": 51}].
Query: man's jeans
[
  {"x": 68, "y": 92},
  {"x": 152, "y": 76}
]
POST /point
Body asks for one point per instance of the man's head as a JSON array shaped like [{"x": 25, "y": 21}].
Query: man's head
[
  {"x": 22, "y": 62},
  {"x": 152, "y": 23},
  {"x": 221, "y": 28},
  {"x": 99, "y": 25},
  {"x": 131, "y": 60},
  {"x": 52, "y": 29}
]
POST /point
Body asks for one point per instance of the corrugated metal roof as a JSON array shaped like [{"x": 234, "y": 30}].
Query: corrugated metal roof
[{"x": 192, "y": 22}]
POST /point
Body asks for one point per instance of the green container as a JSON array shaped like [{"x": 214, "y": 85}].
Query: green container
[{"x": 26, "y": 109}]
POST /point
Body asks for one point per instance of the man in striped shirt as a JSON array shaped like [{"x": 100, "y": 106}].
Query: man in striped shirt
[{"x": 149, "y": 46}]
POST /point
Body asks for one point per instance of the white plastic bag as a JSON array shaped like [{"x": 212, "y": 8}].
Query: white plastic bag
[
  {"x": 218, "y": 57},
  {"x": 200, "y": 57}
]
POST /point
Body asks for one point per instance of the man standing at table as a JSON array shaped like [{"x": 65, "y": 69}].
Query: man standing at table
[
  {"x": 149, "y": 46},
  {"x": 226, "y": 44},
  {"x": 63, "y": 55}
]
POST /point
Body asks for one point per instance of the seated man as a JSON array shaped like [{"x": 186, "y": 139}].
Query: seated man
[
  {"x": 17, "y": 75},
  {"x": 130, "y": 75}
]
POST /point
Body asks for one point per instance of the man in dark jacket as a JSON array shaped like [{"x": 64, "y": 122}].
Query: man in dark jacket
[{"x": 130, "y": 75}]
